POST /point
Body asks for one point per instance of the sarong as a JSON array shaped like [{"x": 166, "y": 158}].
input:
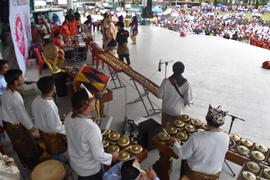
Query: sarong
[
  {"x": 195, "y": 175},
  {"x": 55, "y": 143},
  {"x": 23, "y": 143}
]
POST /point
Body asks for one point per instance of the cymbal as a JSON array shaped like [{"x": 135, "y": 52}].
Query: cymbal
[
  {"x": 179, "y": 123},
  {"x": 248, "y": 175},
  {"x": 261, "y": 148},
  {"x": 123, "y": 141},
  {"x": 257, "y": 155},
  {"x": 171, "y": 130},
  {"x": 113, "y": 136},
  {"x": 253, "y": 167},
  {"x": 105, "y": 143},
  {"x": 112, "y": 148},
  {"x": 184, "y": 118},
  {"x": 162, "y": 136},
  {"x": 266, "y": 173},
  {"x": 123, "y": 156},
  {"x": 246, "y": 142},
  {"x": 190, "y": 128},
  {"x": 136, "y": 149},
  {"x": 243, "y": 150},
  {"x": 235, "y": 137},
  {"x": 182, "y": 136}
]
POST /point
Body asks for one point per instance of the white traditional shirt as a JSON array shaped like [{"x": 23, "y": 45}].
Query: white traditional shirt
[
  {"x": 172, "y": 102},
  {"x": 204, "y": 151},
  {"x": 8, "y": 172},
  {"x": 3, "y": 84},
  {"x": 46, "y": 116},
  {"x": 85, "y": 146},
  {"x": 13, "y": 109}
]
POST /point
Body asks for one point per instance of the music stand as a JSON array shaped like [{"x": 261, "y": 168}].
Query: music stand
[{"x": 230, "y": 129}]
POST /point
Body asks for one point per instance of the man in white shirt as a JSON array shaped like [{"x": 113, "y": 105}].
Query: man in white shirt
[
  {"x": 3, "y": 69},
  {"x": 16, "y": 121},
  {"x": 204, "y": 151},
  {"x": 176, "y": 93},
  {"x": 85, "y": 148},
  {"x": 47, "y": 119},
  {"x": 3, "y": 84}
]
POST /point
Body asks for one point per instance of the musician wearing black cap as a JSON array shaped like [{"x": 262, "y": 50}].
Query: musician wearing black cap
[
  {"x": 84, "y": 138},
  {"x": 176, "y": 93}
]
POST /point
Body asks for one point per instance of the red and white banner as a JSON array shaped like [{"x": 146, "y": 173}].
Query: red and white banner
[{"x": 20, "y": 27}]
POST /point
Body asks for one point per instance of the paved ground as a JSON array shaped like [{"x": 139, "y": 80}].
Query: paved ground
[{"x": 222, "y": 72}]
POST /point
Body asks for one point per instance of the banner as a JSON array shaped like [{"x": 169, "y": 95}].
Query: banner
[{"x": 20, "y": 28}]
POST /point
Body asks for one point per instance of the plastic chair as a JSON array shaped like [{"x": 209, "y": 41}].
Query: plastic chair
[{"x": 40, "y": 60}]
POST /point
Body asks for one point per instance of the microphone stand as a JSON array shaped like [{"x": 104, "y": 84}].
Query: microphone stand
[
  {"x": 166, "y": 66},
  {"x": 232, "y": 121},
  {"x": 230, "y": 129}
]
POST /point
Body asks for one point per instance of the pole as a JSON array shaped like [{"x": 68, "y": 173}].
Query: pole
[
  {"x": 230, "y": 130},
  {"x": 166, "y": 66},
  {"x": 232, "y": 121}
]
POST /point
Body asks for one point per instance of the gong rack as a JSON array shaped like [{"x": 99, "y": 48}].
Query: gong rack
[{"x": 116, "y": 66}]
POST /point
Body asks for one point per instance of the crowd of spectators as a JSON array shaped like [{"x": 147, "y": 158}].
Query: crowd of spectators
[{"x": 220, "y": 21}]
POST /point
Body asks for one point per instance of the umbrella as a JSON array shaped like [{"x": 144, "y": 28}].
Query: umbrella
[
  {"x": 175, "y": 14},
  {"x": 157, "y": 10}
]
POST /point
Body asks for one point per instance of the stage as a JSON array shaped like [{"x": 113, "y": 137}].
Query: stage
[{"x": 221, "y": 72}]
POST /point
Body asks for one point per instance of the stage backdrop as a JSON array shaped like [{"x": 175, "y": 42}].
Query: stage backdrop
[{"x": 20, "y": 27}]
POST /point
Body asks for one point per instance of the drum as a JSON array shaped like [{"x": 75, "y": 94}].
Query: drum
[{"x": 48, "y": 170}]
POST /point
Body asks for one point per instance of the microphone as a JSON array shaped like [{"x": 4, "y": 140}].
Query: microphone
[{"x": 159, "y": 66}]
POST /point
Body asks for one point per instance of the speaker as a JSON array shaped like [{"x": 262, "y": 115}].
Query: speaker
[
  {"x": 147, "y": 130},
  {"x": 147, "y": 12},
  {"x": 60, "y": 84}
]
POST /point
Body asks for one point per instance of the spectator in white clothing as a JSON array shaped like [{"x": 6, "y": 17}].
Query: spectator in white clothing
[
  {"x": 47, "y": 119},
  {"x": 176, "y": 93},
  {"x": 204, "y": 152}
]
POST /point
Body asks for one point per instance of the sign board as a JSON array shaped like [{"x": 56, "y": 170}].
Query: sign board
[{"x": 20, "y": 27}]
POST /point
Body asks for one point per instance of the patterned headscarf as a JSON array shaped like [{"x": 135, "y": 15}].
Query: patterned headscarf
[{"x": 216, "y": 115}]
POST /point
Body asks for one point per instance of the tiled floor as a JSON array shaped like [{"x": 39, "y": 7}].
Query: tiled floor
[{"x": 222, "y": 72}]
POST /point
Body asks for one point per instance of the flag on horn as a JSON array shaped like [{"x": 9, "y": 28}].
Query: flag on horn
[{"x": 94, "y": 80}]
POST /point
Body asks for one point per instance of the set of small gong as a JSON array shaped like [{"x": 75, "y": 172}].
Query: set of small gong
[
  {"x": 114, "y": 142},
  {"x": 258, "y": 166},
  {"x": 181, "y": 129}
]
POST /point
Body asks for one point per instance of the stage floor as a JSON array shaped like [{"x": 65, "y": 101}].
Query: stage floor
[{"x": 222, "y": 72}]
